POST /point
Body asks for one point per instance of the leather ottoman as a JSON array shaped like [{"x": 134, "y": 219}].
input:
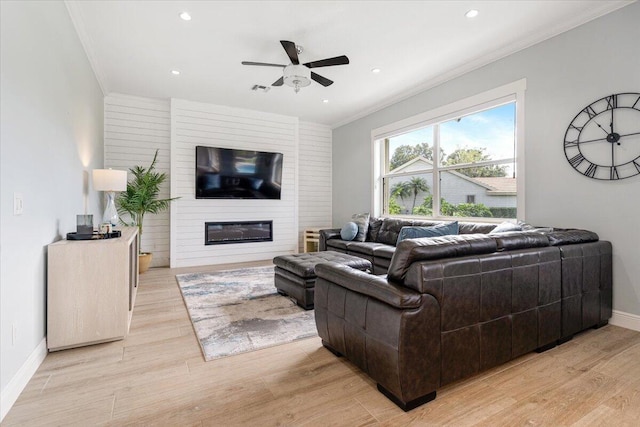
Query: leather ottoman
[{"x": 295, "y": 274}]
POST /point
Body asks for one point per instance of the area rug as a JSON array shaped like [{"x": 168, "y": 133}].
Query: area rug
[{"x": 238, "y": 311}]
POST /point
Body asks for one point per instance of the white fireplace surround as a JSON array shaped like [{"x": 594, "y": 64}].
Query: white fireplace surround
[{"x": 135, "y": 127}]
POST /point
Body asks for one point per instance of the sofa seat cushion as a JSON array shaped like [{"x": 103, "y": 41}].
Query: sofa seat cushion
[
  {"x": 337, "y": 244},
  {"x": 430, "y": 248},
  {"x": 366, "y": 248},
  {"x": 384, "y": 252}
]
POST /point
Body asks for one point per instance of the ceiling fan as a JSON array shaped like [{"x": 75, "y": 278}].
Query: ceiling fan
[{"x": 299, "y": 75}]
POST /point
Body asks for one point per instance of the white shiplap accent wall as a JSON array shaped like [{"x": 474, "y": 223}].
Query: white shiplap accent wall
[
  {"x": 194, "y": 124},
  {"x": 134, "y": 128},
  {"x": 314, "y": 177}
]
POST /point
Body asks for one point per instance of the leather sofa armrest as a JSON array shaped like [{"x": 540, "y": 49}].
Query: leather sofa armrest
[
  {"x": 326, "y": 234},
  {"x": 367, "y": 284}
]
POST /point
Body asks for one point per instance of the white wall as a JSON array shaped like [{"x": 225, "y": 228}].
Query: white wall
[
  {"x": 193, "y": 124},
  {"x": 51, "y": 138},
  {"x": 134, "y": 128},
  {"x": 314, "y": 177},
  {"x": 564, "y": 74}
]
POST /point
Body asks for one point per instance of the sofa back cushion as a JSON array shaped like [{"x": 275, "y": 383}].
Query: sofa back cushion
[
  {"x": 415, "y": 231},
  {"x": 514, "y": 240},
  {"x": 475, "y": 228},
  {"x": 374, "y": 229},
  {"x": 390, "y": 229},
  {"x": 570, "y": 236},
  {"x": 431, "y": 248}
]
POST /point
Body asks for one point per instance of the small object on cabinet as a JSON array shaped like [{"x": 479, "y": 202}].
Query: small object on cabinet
[{"x": 84, "y": 224}]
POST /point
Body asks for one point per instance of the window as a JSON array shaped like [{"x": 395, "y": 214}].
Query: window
[{"x": 463, "y": 162}]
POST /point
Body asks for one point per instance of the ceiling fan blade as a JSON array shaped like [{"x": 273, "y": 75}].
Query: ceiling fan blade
[
  {"x": 278, "y": 82},
  {"x": 292, "y": 51},
  {"x": 263, "y": 64},
  {"x": 322, "y": 80},
  {"x": 338, "y": 60}
]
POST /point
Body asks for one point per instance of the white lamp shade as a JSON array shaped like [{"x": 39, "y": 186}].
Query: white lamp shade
[{"x": 109, "y": 180}]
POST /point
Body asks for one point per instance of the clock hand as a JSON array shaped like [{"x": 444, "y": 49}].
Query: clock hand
[
  {"x": 613, "y": 147},
  {"x": 605, "y": 139},
  {"x": 629, "y": 134},
  {"x": 591, "y": 140},
  {"x": 601, "y": 127},
  {"x": 611, "y": 125}
]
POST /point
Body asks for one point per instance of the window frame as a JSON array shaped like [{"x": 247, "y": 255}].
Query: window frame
[{"x": 512, "y": 92}]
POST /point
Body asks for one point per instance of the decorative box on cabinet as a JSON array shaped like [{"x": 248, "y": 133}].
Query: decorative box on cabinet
[{"x": 91, "y": 289}]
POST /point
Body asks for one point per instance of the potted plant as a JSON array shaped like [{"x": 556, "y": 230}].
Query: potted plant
[{"x": 140, "y": 198}]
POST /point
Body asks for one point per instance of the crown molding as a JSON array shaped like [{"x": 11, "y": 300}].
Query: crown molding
[{"x": 524, "y": 43}]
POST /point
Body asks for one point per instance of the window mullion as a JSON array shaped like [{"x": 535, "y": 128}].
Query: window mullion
[{"x": 435, "y": 185}]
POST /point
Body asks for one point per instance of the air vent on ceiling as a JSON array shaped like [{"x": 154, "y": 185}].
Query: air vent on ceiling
[{"x": 260, "y": 88}]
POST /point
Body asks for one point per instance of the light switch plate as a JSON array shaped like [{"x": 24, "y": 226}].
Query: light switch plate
[{"x": 17, "y": 204}]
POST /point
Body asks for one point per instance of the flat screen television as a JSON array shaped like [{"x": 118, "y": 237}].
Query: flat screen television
[{"x": 226, "y": 173}]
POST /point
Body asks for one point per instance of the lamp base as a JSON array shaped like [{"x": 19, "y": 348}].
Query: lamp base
[{"x": 110, "y": 212}]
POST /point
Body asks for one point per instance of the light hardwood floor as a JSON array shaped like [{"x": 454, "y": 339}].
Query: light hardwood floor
[{"x": 157, "y": 376}]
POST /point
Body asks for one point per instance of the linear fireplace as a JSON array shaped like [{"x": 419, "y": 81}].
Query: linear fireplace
[{"x": 219, "y": 233}]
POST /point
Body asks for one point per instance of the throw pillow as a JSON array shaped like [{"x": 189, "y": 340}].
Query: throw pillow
[
  {"x": 445, "y": 229},
  {"x": 505, "y": 227},
  {"x": 526, "y": 227},
  {"x": 362, "y": 221},
  {"x": 349, "y": 231}
]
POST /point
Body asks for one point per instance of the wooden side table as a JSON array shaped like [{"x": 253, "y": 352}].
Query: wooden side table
[{"x": 311, "y": 239}]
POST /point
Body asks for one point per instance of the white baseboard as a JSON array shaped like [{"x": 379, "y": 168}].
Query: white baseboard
[
  {"x": 10, "y": 394},
  {"x": 625, "y": 320}
]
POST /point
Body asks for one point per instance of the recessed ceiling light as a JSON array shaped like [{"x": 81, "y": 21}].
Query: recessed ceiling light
[
  {"x": 375, "y": 70},
  {"x": 185, "y": 16},
  {"x": 175, "y": 72},
  {"x": 326, "y": 101},
  {"x": 471, "y": 13}
]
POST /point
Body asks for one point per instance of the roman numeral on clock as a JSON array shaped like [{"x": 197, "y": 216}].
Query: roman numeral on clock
[
  {"x": 576, "y": 160},
  {"x": 613, "y": 173},
  {"x": 571, "y": 143},
  {"x": 612, "y": 102},
  {"x": 591, "y": 170},
  {"x": 590, "y": 111}
]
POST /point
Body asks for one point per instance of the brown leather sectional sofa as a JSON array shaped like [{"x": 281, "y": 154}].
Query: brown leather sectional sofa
[
  {"x": 381, "y": 239},
  {"x": 453, "y": 306}
]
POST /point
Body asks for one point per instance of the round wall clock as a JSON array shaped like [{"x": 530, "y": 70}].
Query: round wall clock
[{"x": 603, "y": 140}]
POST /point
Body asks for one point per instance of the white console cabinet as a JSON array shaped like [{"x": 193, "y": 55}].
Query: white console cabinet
[{"x": 91, "y": 289}]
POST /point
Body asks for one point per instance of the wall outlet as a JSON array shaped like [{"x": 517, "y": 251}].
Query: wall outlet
[{"x": 18, "y": 204}]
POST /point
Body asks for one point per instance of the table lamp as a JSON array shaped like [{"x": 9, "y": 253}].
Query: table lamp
[{"x": 110, "y": 180}]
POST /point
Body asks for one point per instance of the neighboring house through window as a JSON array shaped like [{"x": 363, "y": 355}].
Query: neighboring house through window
[{"x": 461, "y": 160}]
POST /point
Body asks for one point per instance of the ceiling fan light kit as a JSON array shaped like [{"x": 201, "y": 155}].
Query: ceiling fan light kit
[{"x": 298, "y": 75}]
